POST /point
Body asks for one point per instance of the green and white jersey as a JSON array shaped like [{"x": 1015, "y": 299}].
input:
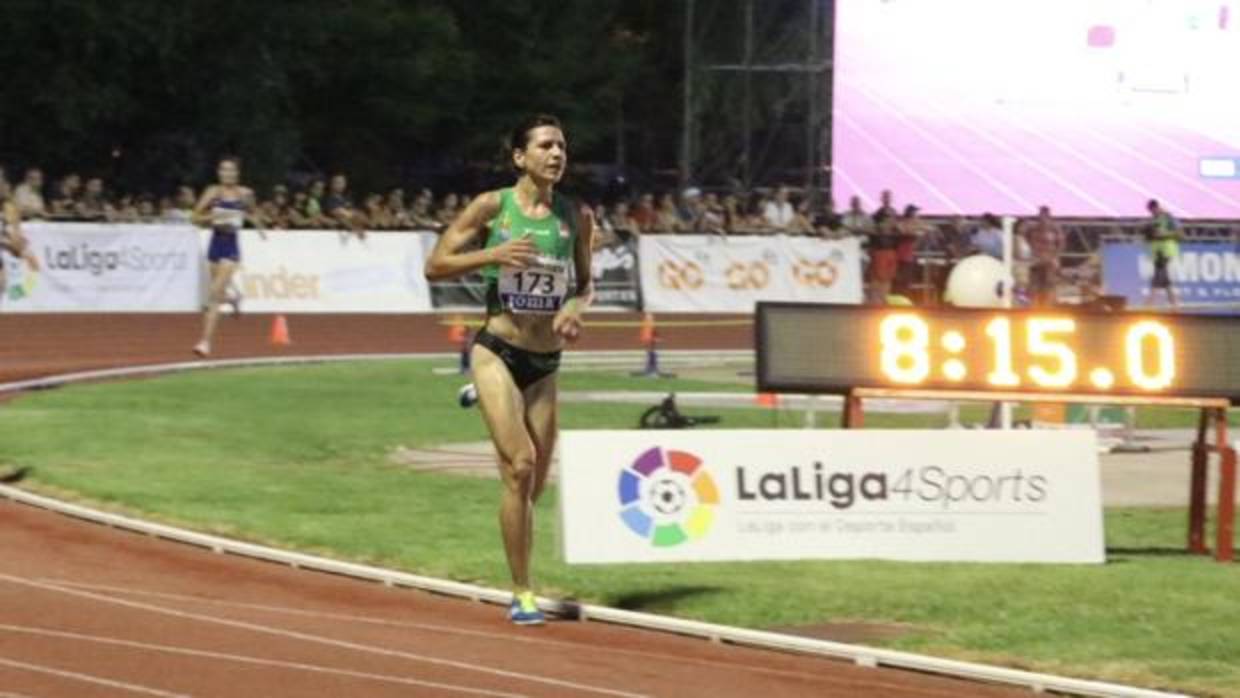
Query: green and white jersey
[{"x": 544, "y": 285}]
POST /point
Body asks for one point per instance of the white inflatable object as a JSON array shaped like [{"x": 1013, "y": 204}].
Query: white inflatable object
[{"x": 977, "y": 282}]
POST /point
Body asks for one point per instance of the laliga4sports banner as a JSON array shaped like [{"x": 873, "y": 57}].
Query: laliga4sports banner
[
  {"x": 94, "y": 267},
  {"x": 990, "y": 496},
  {"x": 706, "y": 273},
  {"x": 327, "y": 272}
]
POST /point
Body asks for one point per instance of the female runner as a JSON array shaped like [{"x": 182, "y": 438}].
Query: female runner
[
  {"x": 535, "y": 255},
  {"x": 224, "y": 208}
]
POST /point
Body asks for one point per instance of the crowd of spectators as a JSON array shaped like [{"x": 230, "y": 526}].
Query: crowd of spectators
[{"x": 897, "y": 240}]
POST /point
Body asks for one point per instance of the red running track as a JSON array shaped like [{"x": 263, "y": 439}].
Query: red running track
[
  {"x": 44, "y": 344},
  {"x": 92, "y": 612}
]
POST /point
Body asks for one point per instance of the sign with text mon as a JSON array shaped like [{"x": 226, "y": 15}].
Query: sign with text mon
[
  {"x": 708, "y": 273},
  {"x": 96, "y": 267},
  {"x": 985, "y": 496},
  {"x": 1206, "y": 275},
  {"x": 327, "y": 272}
]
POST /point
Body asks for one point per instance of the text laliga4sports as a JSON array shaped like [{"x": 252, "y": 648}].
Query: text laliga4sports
[
  {"x": 930, "y": 484},
  {"x": 84, "y": 257}
]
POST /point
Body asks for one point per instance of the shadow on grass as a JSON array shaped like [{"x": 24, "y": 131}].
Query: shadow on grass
[
  {"x": 1160, "y": 551},
  {"x": 661, "y": 598}
]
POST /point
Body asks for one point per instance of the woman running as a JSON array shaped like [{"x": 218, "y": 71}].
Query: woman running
[
  {"x": 224, "y": 208},
  {"x": 11, "y": 238},
  {"x": 535, "y": 255}
]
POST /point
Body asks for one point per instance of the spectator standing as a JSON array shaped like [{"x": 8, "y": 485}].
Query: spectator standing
[
  {"x": 93, "y": 205},
  {"x": 1046, "y": 243},
  {"x": 376, "y": 213},
  {"x": 125, "y": 210},
  {"x": 1163, "y": 233},
  {"x": 690, "y": 209},
  {"x": 64, "y": 205},
  {"x": 668, "y": 220},
  {"x": 397, "y": 210},
  {"x": 711, "y": 217},
  {"x": 883, "y": 260},
  {"x": 645, "y": 214},
  {"x": 802, "y": 219},
  {"x": 338, "y": 207},
  {"x": 856, "y": 221},
  {"x": 420, "y": 215},
  {"x": 988, "y": 238},
  {"x": 910, "y": 230},
  {"x": 778, "y": 213},
  {"x": 623, "y": 222},
  {"x": 449, "y": 208},
  {"x": 28, "y": 196},
  {"x": 886, "y": 205},
  {"x": 181, "y": 208},
  {"x": 314, "y": 204}
]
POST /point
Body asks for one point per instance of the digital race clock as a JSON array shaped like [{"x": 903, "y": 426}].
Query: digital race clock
[{"x": 821, "y": 348}]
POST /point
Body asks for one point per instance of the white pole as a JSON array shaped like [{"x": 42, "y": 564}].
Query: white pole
[{"x": 1009, "y": 227}]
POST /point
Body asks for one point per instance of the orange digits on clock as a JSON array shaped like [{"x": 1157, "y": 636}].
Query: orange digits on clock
[
  {"x": 905, "y": 339},
  {"x": 1062, "y": 355},
  {"x": 1134, "y": 345},
  {"x": 1000, "y": 330}
]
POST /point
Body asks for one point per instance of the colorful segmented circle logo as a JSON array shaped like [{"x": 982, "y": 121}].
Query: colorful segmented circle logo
[{"x": 667, "y": 497}]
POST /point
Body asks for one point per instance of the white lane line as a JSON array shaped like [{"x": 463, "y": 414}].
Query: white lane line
[
  {"x": 244, "y": 659},
  {"x": 1159, "y": 165},
  {"x": 522, "y": 638},
  {"x": 967, "y": 163},
  {"x": 87, "y": 678},
  {"x": 908, "y": 169},
  {"x": 1014, "y": 153},
  {"x": 306, "y": 637},
  {"x": 1061, "y": 144}
]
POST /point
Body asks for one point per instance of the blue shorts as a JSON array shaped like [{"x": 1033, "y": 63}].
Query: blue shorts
[{"x": 224, "y": 245}]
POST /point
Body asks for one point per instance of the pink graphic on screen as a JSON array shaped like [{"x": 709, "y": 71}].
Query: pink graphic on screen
[{"x": 1089, "y": 106}]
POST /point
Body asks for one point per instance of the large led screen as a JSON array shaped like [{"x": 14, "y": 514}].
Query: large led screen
[{"x": 1089, "y": 106}]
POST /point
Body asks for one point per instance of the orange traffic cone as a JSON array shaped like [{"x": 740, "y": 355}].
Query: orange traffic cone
[
  {"x": 647, "y": 335},
  {"x": 279, "y": 332},
  {"x": 767, "y": 399}
]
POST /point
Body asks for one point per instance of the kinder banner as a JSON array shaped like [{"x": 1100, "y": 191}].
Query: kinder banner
[
  {"x": 705, "y": 273},
  {"x": 87, "y": 267},
  {"x": 1206, "y": 275},
  {"x": 670, "y": 496},
  {"x": 328, "y": 272}
]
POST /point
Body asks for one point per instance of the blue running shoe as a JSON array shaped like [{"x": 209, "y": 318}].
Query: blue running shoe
[{"x": 524, "y": 610}]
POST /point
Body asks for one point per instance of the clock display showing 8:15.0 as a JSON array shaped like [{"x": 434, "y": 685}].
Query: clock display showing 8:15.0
[{"x": 831, "y": 348}]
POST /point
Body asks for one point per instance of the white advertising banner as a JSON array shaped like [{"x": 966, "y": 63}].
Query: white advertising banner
[
  {"x": 85, "y": 267},
  {"x": 707, "y": 273},
  {"x": 985, "y": 496},
  {"x": 326, "y": 272}
]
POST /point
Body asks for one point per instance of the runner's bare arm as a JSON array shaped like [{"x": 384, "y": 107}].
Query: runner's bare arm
[
  {"x": 201, "y": 216},
  {"x": 448, "y": 261},
  {"x": 568, "y": 321}
]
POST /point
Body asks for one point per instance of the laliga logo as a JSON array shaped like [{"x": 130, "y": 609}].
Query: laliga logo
[
  {"x": 677, "y": 275},
  {"x": 667, "y": 497},
  {"x": 751, "y": 276},
  {"x": 815, "y": 274}
]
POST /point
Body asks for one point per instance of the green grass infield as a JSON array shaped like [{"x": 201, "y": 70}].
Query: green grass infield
[{"x": 301, "y": 457}]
